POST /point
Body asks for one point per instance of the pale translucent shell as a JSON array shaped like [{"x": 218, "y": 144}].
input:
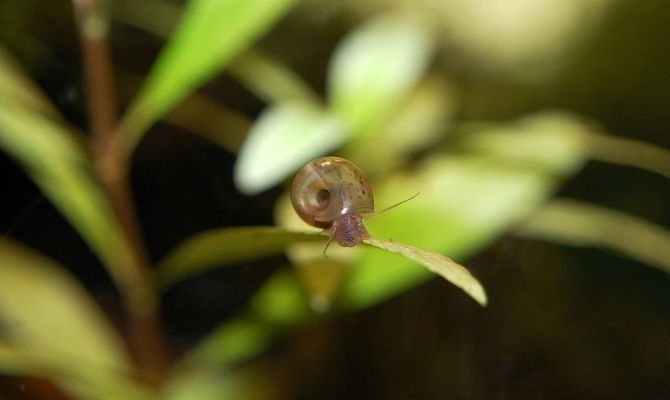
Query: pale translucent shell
[{"x": 329, "y": 187}]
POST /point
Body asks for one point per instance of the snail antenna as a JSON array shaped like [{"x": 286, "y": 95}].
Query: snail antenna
[
  {"x": 394, "y": 206},
  {"x": 330, "y": 240}
]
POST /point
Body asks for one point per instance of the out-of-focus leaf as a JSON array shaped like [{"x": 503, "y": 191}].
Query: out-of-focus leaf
[
  {"x": 581, "y": 224},
  {"x": 154, "y": 16},
  {"x": 628, "y": 152},
  {"x": 51, "y": 328},
  {"x": 16, "y": 86},
  {"x": 262, "y": 74},
  {"x": 437, "y": 263},
  {"x": 374, "y": 69},
  {"x": 278, "y": 305},
  {"x": 55, "y": 162},
  {"x": 213, "y": 384},
  {"x": 270, "y": 80},
  {"x": 226, "y": 246},
  {"x": 550, "y": 141},
  {"x": 211, "y": 120},
  {"x": 559, "y": 142},
  {"x": 235, "y": 341},
  {"x": 285, "y": 137},
  {"x": 281, "y": 301},
  {"x": 420, "y": 122},
  {"x": 210, "y": 34},
  {"x": 465, "y": 203}
]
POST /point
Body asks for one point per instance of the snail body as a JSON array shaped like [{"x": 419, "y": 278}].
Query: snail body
[{"x": 334, "y": 194}]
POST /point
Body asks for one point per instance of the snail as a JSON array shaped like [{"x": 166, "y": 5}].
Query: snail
[{"x": 334, "y": 194}]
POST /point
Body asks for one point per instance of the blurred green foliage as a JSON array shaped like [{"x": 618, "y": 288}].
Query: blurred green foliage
[{"x": 394, "y": 102}]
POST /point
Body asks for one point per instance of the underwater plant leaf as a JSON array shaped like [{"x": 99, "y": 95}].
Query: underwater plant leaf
[
  {"x": 551, "y": 142},
  {"x": 466, "y": 202},
  {"x": 278, "y": 305},
  {"x": 437, "y": 263},
  {"x": 209, "y": 35},
  {"x": 559, "y": 142},
  {"x": 284, "y": 138},
  {"x": 374, "y": 68},
  {"x": 250, "y": 382},
  {"x": 577, "y": 223},
  {"x": 17, "y": 86},
  {"x": 258, "y": 71},
  {"x": 54, "y": 160},
  {"x": 51, "y": 328},
  {"x": 220, "y": 247},
  {"x": 418, "y": 124},
  {"x": 270, "y": 80},
  {"x": 629, "y": 152}
]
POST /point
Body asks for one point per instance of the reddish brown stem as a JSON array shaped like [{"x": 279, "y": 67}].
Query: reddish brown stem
[{"x": 145, "y": 335}]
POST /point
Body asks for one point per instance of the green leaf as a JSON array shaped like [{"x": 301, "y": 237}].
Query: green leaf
[
  {"x": 278, "y": 305},
  {"x": 437, "y": 263},
  {"x": 51, "y": 328},
  {"x": 552, "y": 142},
  {"x": 270, "y": 80},
  {"x": 628, "y": 152},
  {"x": 51, "y": 157},
  {"x": 226, "y": 246},
  {"x": 210, "y": 34},
  {"x": 17, "y": 86},
  {"x": 214, "y": 384},
  {"x": 283, "y": 139},
  {"x": 417, "y": 125},
  {"x": 576, "y": 223},
  {"x": 375, "y": 68},
  {"x": 465, "y": 203}
]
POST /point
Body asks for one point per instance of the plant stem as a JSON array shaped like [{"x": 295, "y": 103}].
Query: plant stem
[{"x": 110, "y": 163}]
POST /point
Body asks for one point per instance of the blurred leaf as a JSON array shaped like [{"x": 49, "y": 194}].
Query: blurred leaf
[
  {"x": 213, "y": 384},
  {"x": 54, "y": 161},
  {"x": 550, "y": 141},
  {"x": 419, "y": 123},
  {"x": 262, "y": 74},
  {"x": 559, "y": 142},
  {"x": 17, "y": 86},
  {"x": 284, "y": 137},
  {"x": 51, "y": 328},
  {"x": 213, "y": 121},
  {"x": 628, "y": 152},
  {"x": 437, "y": 263},
  {"x": 210, "y": 34},
  {"x": 374, "y": 69},
  {"x": 271, "y": 81},
  {"x": 154, "y": 16},
  {"x": 233, "y": 342},
  {"x": 226, "y": 246},
  {"x": 281, "y": 301},
  {"x": 278, "y": 305},
  {"x": 576, "y": 223}
]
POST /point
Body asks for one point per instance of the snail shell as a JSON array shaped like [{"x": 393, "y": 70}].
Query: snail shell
[{"x": 334, "y": 194}]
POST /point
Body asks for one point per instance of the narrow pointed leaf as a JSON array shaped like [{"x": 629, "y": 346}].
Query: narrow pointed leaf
[
  {"x": 226, "y": 246},
  {"x": 210, "y": 34},
  {"x": 17, "y": 86},
  {"x": 577, "y": 223},
  {"x": 53, "y": 159},
  {"x": 437, "y": 263}
]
